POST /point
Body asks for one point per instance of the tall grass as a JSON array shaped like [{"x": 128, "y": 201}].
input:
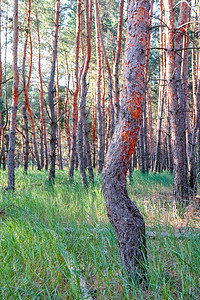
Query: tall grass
[{"x": 53, "y": 236}]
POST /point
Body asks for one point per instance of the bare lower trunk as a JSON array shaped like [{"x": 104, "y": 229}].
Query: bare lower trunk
[
  {"x": 51, "y": 97},
  {"x": 141, "y": 149},
  {"x": 26, "y": 150},
  {"x": 81, "y": 131}
]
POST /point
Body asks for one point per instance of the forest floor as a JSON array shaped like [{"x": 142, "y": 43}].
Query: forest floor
[{"x": 56, "y": 241}]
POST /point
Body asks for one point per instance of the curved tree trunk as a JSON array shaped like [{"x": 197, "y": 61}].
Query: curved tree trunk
[{"x": 122, "y": 212}]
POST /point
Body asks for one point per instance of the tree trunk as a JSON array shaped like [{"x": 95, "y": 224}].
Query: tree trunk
[
  {"x": 51, "y": 97},
  {"x": 26, "y": 150},
  {"x": 26, "y": 87},
  {"x": 58, "y": 121},
  {"x": 177, "y": 99},
  {"x": 43, "y": 150},
  {"x": 122, "y": 212},
  {"x": 83, "y": 138},
  {"x": 13, "y": 118},
  {"x": 75, "y": 95},
  {"x": 101, "y": 144},
  {"x": 117, "y": 60}
]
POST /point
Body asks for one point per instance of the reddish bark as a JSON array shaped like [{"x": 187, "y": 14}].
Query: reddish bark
[
  {"x": 26, "y": 86},
  {"x": 101, "y": 144},
  {"x": 11, "y": 150},
  {"x": 122, "y": 212}
]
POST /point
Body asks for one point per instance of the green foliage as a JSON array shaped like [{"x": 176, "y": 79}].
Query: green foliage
[{"x": 53, "y": 236}]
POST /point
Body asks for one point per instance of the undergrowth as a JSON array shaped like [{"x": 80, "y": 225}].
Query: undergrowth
[{"x": 56, "y": 241}]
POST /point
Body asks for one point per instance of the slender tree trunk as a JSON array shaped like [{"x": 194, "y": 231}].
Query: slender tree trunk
[
  {"x": 26, "y": 150},
  {"x": 162, "y": 94},
  {"x": 75, "y": 95},
  {"x": 122, "y": 212},
  {"x": 101, "y": 144},
  {"x": 193, "y": 175},
  {"x": 111, "y": 106},
  {"x": 67, "y": 109},
  {"x": 83, "y": 138},
  {"x": 151, "y": 136},
  {"x": 177, "y": 99},
  {"x": 58, "y": 121},
  {"x": 26, "y": 87},
  {"x": 44, "y": 149},
  {"x": 13, "y": 118},
  {"x": 94, "y": 120},
  {"x": 51, "y": 97},
  {"x": 117, "y": 60},
  {"x": 5, "y": 92}
]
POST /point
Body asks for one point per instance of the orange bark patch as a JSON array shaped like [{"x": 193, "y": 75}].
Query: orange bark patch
[
  {"x": 134, "y": 105},
  {"x": 129, "y": 139}
]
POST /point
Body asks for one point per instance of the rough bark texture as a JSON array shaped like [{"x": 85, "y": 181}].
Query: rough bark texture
[
  {"x": 122, "y": 212},
  {"x": 51, "y": 97},
  {"x": 26, "y": 148},
  {"x": 176, "y": 97},
  {"x": 11, "y": 150}
]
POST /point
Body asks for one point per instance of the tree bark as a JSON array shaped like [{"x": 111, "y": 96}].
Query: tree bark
[
  {"x": 101, "y": 144},
  {"x": 75, "y": 95},
  {"x": 43, "y": 149},
  {"x": 58, "y": 121},
  {"x": 122, "y": 212},
  {"x": 26, "y": 86},
  {"x": 51, "y": 97},
  {"x": 83, "y": 138},
  {"x": 13, "y": 118},
  {"x": 177, "y": 102}
]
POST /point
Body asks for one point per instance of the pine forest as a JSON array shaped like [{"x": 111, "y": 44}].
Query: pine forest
[{"x": 100, "y": 149}]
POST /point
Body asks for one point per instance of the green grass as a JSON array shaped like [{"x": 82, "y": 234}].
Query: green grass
[{"x": 53, "y": 236}]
